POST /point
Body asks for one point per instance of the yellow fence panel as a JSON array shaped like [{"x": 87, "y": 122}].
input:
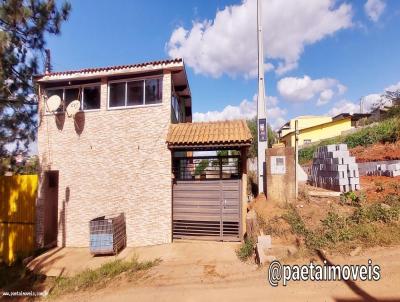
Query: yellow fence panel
[{"x": 17, "y": 216}]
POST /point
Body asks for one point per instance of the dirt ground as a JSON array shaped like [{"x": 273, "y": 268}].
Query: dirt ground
[
  {"x": 220, "y": 276},
  {"x": 313, "y": 209},
  {"x": 377, "y": 187},
  {"x": 376, "y": 152},
  {"x": 211, "y": 271}
]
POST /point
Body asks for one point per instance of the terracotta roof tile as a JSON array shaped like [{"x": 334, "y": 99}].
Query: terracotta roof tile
[
  {"x": 113, "y": 68},
  {"x": 224, "y": 133}
]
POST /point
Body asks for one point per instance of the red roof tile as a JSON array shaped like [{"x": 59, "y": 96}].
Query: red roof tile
[
  {"x": 223, "y": 133},
  {"x": 118, "y": 67}
]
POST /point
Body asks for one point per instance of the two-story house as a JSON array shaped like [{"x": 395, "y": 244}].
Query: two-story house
[
  {"x": 112, "y": 157},
  {"x": 130, "y": 149}
]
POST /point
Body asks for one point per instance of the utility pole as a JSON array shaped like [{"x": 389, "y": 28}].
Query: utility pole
[
  {"x": 296, "y": 148},
  {"x": 361, "y": 105},
  {"x": 261, "y": 110}
]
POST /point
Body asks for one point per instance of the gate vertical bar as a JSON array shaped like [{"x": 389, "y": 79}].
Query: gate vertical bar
[{"x": 221, "y": 202}]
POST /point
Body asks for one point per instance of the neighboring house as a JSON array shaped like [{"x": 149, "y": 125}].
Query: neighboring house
[
  {"x": 315, "y": 128},
  {"x": 114, "y": 155}
]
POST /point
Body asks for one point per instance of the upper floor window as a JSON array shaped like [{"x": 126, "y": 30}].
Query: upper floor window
[
  {"x": 135, "y": 93},
  {"x": 175, "y": 107},
  {"x": 89, "y": 96}
]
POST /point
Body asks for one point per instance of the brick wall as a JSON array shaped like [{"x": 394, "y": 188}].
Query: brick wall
[{"x": 118, "y": 163}]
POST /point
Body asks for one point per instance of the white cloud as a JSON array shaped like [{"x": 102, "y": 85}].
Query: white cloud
[
  {"x": 228, "y": 43},
  {"x": 246, "y": 110},
  {"x": 305, "y": 88},
  {"x": 344, "y": 106},
  {"x": 370, "y": 101},
  {"x": 393, "y": 87},
  {"x": 325, "y": 97},
  {"x": 341, "y": 89},
  {"x": 374, "y": 9}
]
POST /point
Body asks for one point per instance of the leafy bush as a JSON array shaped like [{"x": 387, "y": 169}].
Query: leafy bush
[
  {"x": 336, "y": 228},
  {"x": 201, "y": 166},
  {"x": 353, "y": 198},
  {"x": 246, "y": 250}
]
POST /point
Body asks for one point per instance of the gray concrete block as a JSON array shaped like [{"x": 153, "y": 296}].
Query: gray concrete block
[
  {"x": 354, "y": 181},
  {"x": 393, "y": 167}
]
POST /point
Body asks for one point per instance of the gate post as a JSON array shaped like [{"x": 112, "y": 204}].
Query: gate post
[{"x": 243, "y": 197}]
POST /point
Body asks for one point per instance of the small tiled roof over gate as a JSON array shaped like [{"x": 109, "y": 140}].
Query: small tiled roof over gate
[{"x": 234, "y": 133}]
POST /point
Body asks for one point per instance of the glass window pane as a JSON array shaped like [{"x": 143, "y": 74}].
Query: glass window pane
[
  {"x": 71, "y": 94},
  {"x": 58, "y": 92},
  {"x": 117, "y": 94},
  {"x": 135, "y": 93},
  {"x": 153, "y": 91},
  {"x": 91, "y": 98}
]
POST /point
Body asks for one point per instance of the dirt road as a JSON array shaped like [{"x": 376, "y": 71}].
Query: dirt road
[{"x": 211, "y": 272}]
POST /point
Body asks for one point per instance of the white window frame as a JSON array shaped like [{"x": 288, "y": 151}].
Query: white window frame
[
  {"x": 80, "y": 99},
  {"x": 126, "y": 81}
]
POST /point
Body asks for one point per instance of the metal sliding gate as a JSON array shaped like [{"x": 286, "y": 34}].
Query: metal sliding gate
[{"x": 207, "y": 198}]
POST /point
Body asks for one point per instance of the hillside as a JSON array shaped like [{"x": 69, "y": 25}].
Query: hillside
[
  {"x": 376, "y": 152},
  {"x": 380, "y": 141}
]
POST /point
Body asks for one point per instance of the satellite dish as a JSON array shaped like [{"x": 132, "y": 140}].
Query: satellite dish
[
  {"x": 53, "y": 103},
  {"x": 73, "y": 108}
]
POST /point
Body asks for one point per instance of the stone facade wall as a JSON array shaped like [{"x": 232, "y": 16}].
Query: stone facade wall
[{"x": 113, "y": 161}]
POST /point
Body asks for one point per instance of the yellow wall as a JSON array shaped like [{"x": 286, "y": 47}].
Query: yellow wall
[
  {"x": 306, "y": 122},
  {"x": 319, "y": 132},
  {"x": 17, "y": 216}
]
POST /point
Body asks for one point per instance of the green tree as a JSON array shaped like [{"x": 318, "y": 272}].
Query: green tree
[
  {"x": 203, "y": 164},
  {"x": 23, "y": 27},
  {"x": 394, "y": 97},
  {"x": 272, "y": 137}
]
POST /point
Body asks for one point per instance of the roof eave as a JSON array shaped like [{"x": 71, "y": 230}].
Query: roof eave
[
  {"x": 208, "y": 146},
  {"x": 83, "y": 75}
]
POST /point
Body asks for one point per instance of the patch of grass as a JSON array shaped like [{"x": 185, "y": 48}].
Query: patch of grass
[
  {"x": 304, "y": 195},
  {"x": 246, "y": 250},
  {"x": 376, "y": 213},
  {"x": 274, "y": 226},
  {"x": 94, "y": 277},
  {"x": 369, "y": 225},
  {"x": 392, "y": 199},
  {"x": 295, "y": 221}
]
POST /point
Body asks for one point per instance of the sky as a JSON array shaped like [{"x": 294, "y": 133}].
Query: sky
[{"x": 321, "y": 56}]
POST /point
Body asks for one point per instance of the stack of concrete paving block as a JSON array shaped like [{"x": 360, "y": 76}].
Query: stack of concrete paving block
[
  {"x": 391, "y": 170},
  {"x": 334, "y": 169}
]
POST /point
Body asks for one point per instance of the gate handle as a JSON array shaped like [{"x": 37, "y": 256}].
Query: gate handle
[{"x": 224, "y": 202}]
